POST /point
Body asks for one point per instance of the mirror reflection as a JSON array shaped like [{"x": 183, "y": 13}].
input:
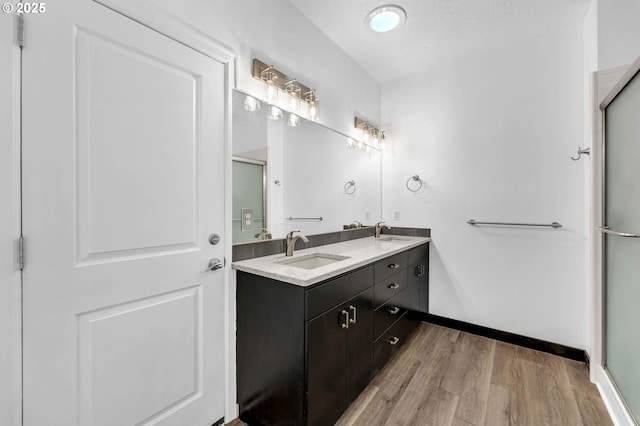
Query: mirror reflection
[{"x": 305, "y": 177}]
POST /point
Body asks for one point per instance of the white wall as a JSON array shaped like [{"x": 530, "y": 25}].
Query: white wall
[
  {"x": 618, "y": 32},
  {"x": 10, "y": 284},
  {"x": 277, "y": 33},
  {"x": 491, "y": 136}
]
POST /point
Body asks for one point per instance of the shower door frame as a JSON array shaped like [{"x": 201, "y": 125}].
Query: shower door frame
[{"x": 605, "y": 85}]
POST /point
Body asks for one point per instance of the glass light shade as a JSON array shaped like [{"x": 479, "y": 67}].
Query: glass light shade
[
  {"x": 275, "y": 113},
  {"x": 270, "y": 79},
  {"x": 251, "y": 104},
  {"x": 294, "y": 92},
  {"x": 293, "y": 120},
  {"x": 349, "y": 143},
  {"x": 312, "y": 101},
  {"x": 313, "y": 110}
]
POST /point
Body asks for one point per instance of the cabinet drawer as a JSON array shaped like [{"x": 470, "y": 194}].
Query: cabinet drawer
[
  {"x": 390, "y": 312},
  {"x": 419, "y": 253},
  {"x": 389, "y": 287},
  {"x": 329, "y": 294},
  {"x": 387, "y": 267},
  {"x": 389, "y": 343}
]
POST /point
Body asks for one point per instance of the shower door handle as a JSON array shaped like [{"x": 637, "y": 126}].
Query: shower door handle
[{"x": 606, "y": 230}]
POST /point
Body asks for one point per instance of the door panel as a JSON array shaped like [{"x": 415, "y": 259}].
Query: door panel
[
  {"x": 622, "y": 253},
  {"x": 123, "y": 177},
  {"x": 114, "y": 351},
  {"x": 121, "y": 206}
]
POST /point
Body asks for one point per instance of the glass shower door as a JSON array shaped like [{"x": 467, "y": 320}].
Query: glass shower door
[
  {"x": 248, "y": 200},
  {"x": 622, "y": 244}
]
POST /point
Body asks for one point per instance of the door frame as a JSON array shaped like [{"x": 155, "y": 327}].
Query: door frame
[
  {"x": 10, "y": 224},
  {"x": 605, "y": 84},
  {"x": 157, "y": 19}
]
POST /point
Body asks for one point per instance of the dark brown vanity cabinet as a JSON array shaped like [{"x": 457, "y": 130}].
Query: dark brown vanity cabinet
[{"x": 303, "y": 353}]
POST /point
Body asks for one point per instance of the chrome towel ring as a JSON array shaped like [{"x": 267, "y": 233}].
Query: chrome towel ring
[
  {"x": 350, "y": 187},
  {"x": 414, "y": 178}
]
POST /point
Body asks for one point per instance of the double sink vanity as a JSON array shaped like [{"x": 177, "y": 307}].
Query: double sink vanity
[{"x": 314, "y": 328}]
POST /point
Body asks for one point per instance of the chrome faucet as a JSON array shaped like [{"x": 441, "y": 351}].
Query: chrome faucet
[
  {"x": 379, "y": 227},
  {"x": 291, "y": 242},
  {"x": 357, "y": 224}
]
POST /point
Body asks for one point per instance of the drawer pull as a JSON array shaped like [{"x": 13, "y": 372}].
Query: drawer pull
[
  {"x": 393, "y": 310},
  {"x": 345, "y": 324},
  {"x": 393, "y": 341},
  {"x": 394, "y": 265},
  {"x": 353, "y": 313},
  {"x": 394, "y": 286}
]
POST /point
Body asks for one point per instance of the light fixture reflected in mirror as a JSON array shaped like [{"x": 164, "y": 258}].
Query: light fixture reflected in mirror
[
  {"x": 251, "y": 104},
  {"x": 293, "y": 120},
  {"x": 275, "y": 113}
]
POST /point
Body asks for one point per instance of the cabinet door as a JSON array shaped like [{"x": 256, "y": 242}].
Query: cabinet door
[
  {"x": 359, "y": 344},
  {"x": 326, "y": 368}
]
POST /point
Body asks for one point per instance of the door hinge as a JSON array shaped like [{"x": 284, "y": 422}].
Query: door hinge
[
  {"x": 20, "y": 29},
  {"x": 20, "y": 253}
]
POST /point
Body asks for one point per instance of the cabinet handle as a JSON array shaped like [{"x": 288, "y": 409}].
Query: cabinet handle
[
  {"x": 353, "y": 314},
  {"x": 393, "y": 341},
  {"x": 394, "y": 265},
  {"x": 419, "y": 270},
  {"x": 423, "y": 270},
  {"x": 345, "y": 324},
  {"x": 393, "y": 310},
  {"x": 394, "y": 286}
]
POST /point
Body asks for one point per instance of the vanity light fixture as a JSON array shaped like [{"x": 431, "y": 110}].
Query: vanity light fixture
[
  {"x": 371, "y": 134},
  {"x": 385, "y": 18},
  {"x": 251, "y": 104},
  {"x": 296, "y": 97}
]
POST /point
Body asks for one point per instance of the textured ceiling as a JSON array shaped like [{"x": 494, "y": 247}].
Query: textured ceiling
[{"x": 435, "y": 30}]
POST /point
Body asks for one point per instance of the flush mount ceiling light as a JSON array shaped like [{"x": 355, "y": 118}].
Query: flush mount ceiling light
[{"x": 385, "y": 18}]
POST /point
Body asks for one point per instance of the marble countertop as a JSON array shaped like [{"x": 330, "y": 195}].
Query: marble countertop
[{"x": 360, "y": 252}]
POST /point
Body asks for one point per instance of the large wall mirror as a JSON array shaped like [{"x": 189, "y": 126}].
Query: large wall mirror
[{"x": 303, "y": 177}]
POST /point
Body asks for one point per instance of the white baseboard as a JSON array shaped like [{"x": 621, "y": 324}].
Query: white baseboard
[{"x": 612, "y": 400}]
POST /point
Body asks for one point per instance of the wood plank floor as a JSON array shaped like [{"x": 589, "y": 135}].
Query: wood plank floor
[{"x": 445, "y": 377}]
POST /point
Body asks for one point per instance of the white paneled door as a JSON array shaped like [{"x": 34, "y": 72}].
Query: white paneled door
[{"x": 123, "y": 148}]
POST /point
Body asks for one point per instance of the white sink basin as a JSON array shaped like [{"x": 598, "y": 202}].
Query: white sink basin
[
  {"x": 392, "y": 239},
  {"x": 312, "y": 261}
]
